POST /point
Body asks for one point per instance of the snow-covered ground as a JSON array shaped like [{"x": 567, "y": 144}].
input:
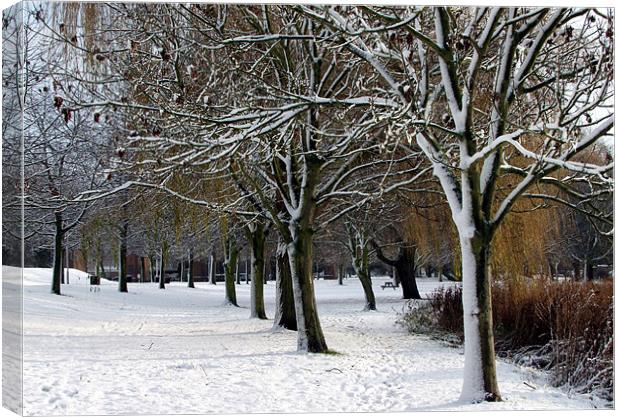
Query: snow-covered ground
[{"x": 180, "y": 350}]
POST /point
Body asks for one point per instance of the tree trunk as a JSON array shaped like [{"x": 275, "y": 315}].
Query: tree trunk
[
  {"x": 62, "y": 264},
  {"x": 190, "y": 269},
  {"x": 577, "y": 270},
  {"x": 480, "y": 380},
  {"x": 57, "y": 266},
  {"x": 340, "y": 275},
  {"x": 142, "y": 269},
  {"x": 309, "y": 333},
  {"x": 285, "y": 301},
  {"x": 153, "y": 268},
  {"x": 247, "y": 272},
  {"x": 405, "y": 270},
  {"x": 589, "y": 270},
  {"x": 358, "y": 246},
  {"x": 230, "y": 260},
  {"x": 122, "y": 257},
  {"x": 99, "y": 267},
  {"x": 364, "y": 276},
  {"x": 212, "y": 270},
  {"x": 256, "y": 236},
  {"x": 162, "y": 268},
  {"x": 237, "y": 272}
]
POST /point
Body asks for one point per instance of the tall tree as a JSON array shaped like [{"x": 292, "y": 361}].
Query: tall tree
[
  {"x": 541, "y": 101},
  {"x": 359, "y": 248}
]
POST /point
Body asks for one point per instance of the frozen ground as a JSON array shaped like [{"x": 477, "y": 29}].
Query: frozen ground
[{"x": 180, "y": 350}]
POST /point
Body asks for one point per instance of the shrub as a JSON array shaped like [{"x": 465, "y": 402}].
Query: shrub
[{"x": 563, "y": 327}]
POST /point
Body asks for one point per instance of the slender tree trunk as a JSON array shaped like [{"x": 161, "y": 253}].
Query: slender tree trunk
[
  {"x": 153, "y": 268},
  {"x": 190, "y": 269},
  {"x": 57, "y": 266},
  {"x": 98, "y": 267},
  {"x": 577, "y": 270},
  {"x": 480, "y": 381},
  {"x": 256, "y": 235},
  {"x": 62, "y": 265},
  {"x": 340, "y": 274},
  {"x": 589, "y": 270},
  {"x": 212, "y": 269},
  {"x": 230, "y": 260},
  {"x": 237, "y": 272},
  {"x": 101, "y": 268},
  {"x": 142, "y": 269},
  {"x": 162, "y": 268},
  {"x": 122, "y": 257},
  {"x": 310, "y": 336},
  {"x": 364, "y": 276},
  {"x": 358, "y": 246},
  {"x": 247, "y": 272},
  {"x": 285, "y": 301}
]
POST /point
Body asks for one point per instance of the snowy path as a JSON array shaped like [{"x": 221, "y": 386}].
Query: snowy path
[{"x": 181, "y": 351}]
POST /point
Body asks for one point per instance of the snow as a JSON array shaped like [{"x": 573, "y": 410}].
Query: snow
[{"x": 181, "y": 350}]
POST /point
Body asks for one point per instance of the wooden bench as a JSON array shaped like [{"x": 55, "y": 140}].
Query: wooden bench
[{"x": 389, "y": 285}]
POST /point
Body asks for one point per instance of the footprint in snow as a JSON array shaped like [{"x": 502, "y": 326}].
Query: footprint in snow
[
  {"x": 182, "y": 366},
  {"x": 71, "y": 392}
]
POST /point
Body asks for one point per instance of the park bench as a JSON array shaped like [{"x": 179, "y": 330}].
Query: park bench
[{"x": 389, "y": 285}]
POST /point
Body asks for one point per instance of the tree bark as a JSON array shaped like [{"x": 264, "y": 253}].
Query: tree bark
[
  {"x": 212, "y": 269},
  {"x": 589, "y": 270},
  {"x": 99, "y": 268},
  {"x": 577, "y": 270},
  {"x": 142, "y": 269},
  {"x": 122, "y": 257},
  {"x": 62, "y": 265},
  {"x": 364, "y": 276},
  {"x": 237, "y": 272},
  {"x": 310, "y": 336},
  {"x": 153, "y": 267},
  {"x": 190, "y": 269},
  {"x": 230, "y": 260},
  {"x": 57, "y": 266},
  {"x": 480, "y": 372},
  {"x": 285, "y": 302},
  {"x": 358, "y": 246},
  {"x": 162, "y": 268},
  {"x": 405, "y": 270},
  {"x": 256, "y": 237}
]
